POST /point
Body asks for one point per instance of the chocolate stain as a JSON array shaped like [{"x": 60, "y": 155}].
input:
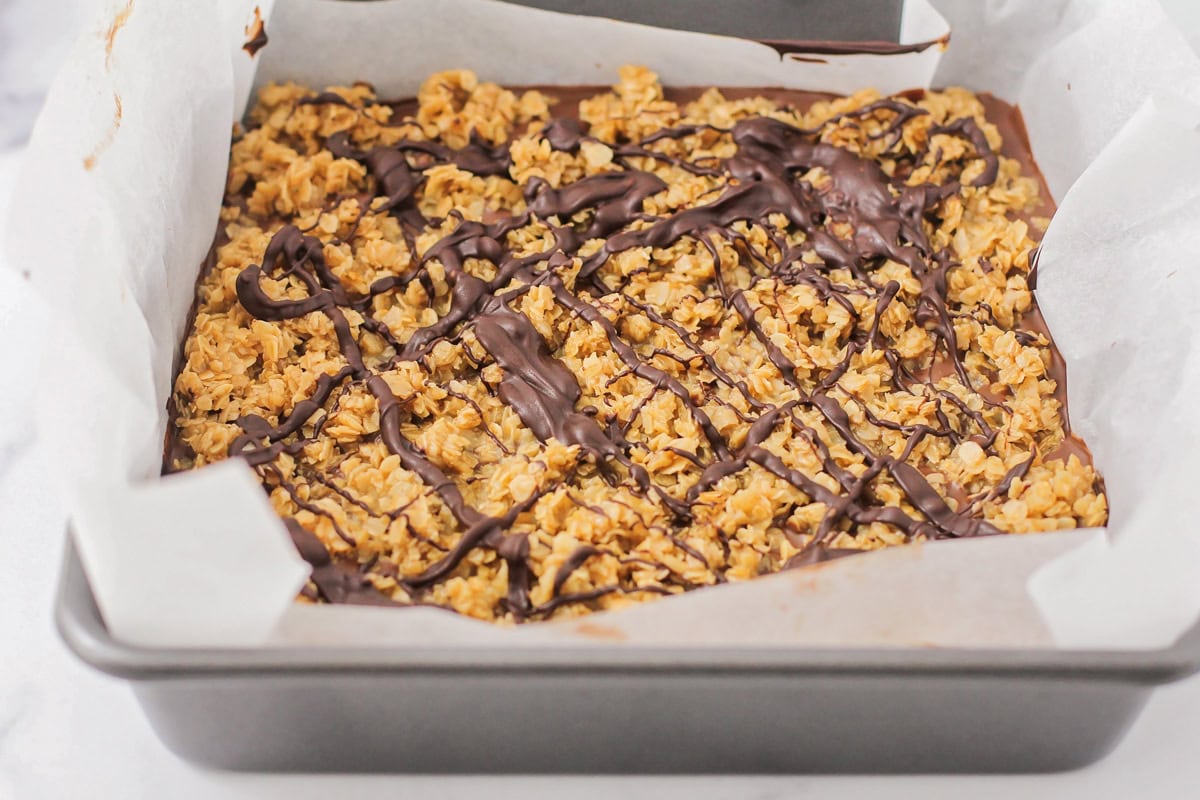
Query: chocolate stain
[
  {"x": 89, "y": 161},
  {"x": 257, "y": 33},
  {"x": 110, "y": 40},
  {"x": 594, "y": 630},
  {"x": 110, "y": 35}
]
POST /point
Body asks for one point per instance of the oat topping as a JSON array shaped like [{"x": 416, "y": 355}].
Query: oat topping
[{"x": 528, "y": 358}]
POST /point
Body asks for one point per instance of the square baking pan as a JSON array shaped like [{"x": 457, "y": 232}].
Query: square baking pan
[{"x": 412, "y": 708}]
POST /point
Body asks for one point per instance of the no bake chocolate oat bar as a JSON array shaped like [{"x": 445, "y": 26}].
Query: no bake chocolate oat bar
[{"x": 528, "y": 354}]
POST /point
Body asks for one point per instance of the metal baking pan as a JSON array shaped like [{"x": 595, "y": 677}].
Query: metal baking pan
[{"x": 413, "y": 708}]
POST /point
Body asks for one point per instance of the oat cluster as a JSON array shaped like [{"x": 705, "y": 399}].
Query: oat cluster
[{"x": 749, "y": 319}]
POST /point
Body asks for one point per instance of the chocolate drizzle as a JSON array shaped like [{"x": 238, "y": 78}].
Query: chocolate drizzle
[
  {"x": 800, "y": 47},
  {"x": 777, "y": 169}
]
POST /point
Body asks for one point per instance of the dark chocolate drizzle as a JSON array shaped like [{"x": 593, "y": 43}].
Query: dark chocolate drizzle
[
  {"x": 769, "y": 174},
  {"x": 336, "y": 582},
  {"x": 801, "y": 47}
]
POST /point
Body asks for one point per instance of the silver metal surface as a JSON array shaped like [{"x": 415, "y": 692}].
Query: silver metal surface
[{"x": 412, "y": 708}]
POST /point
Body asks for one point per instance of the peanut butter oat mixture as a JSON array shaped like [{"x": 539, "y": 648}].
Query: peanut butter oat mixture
[{"x": 527, "y": 356}]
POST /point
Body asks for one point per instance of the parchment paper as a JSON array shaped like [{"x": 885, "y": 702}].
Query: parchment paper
[{"x": 119, "y": 199}]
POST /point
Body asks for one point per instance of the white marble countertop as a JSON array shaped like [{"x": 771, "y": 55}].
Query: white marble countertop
[{"x": 67, "y": 731}]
